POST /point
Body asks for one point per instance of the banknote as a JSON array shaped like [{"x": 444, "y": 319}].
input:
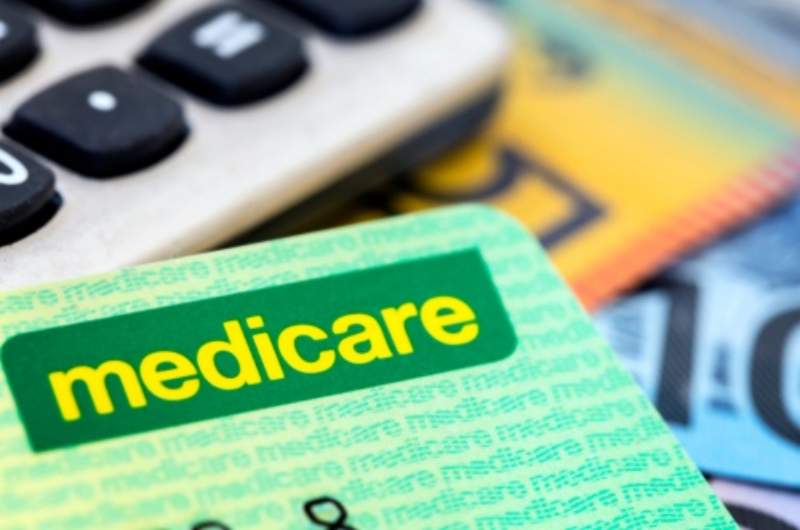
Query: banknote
[
  {"x": 715, "y": 343},
  {"x": 756, "y": 508},
  {"x": 428, "y": 372},
  {"x": 750, "y": 45},
  {"x": 614, "y": 155},
  {"x": 764, "y": 30}
]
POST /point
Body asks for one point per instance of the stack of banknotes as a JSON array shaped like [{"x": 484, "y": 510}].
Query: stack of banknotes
[{"x": 652, "y": 147}]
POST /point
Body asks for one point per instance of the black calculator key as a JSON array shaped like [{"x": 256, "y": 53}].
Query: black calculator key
[
  {"x": 25, "y": 187},
  {"x": 227, "y": 55},
  {"x": 19, "y": 44},
  {"x": 101, "y": 123},
  {"x": 86, "y": 12},
  {"x": 353, "y": 18}
]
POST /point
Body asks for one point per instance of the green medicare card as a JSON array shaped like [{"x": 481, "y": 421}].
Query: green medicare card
[{"x": 429, "y": 372}]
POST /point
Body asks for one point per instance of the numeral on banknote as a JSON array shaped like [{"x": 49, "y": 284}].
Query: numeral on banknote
[
  {"x": 766, "y": 373},
  {"x": 768, "y": 363},
  {"x": 677, "y": 364}
]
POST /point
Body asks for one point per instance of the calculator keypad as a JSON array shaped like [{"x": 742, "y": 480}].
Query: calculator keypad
[
  {"x": 100, "y": 123},
  {"x": 25, "y": 187},
  {"x": 352, "y": 18},
  {"x": 106, "y": 122},
  {"x": 227, "y": 55},
  {"x": 85, "y": 12},
  {"x": 19, "y": 44}
]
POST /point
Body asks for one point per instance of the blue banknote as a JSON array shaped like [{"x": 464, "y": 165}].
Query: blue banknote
[{"x": 715, "y": 343}]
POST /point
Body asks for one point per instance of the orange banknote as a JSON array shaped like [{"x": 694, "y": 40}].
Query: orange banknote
[{"x": 616, "y": 155}]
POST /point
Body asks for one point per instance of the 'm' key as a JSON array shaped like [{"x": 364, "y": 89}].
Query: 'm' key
[{"x": 26, "y": 186}]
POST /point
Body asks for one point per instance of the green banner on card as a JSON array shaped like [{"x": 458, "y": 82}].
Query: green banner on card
[{"x": 216, "y": 357}]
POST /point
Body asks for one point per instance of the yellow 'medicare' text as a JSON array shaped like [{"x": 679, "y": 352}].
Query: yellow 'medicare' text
[{"x": 173, "y": 376}]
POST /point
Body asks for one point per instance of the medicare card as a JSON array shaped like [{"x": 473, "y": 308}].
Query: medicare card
[{"x": 428, "y": 372}]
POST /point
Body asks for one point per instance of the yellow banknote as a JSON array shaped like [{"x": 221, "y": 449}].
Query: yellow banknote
[{"x": 616, "y": 156}]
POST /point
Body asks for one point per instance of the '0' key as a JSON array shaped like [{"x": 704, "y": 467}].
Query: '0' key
[{"x": 26, "y": 188}]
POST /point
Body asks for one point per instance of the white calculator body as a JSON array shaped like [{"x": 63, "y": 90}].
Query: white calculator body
[{"x": 248, "y": 152}]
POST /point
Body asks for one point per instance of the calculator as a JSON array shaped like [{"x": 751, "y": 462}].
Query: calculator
[{"x": 138, "y": 130}]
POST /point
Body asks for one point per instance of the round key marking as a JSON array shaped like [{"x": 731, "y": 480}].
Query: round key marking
[{"x": 102, "y": 101}]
